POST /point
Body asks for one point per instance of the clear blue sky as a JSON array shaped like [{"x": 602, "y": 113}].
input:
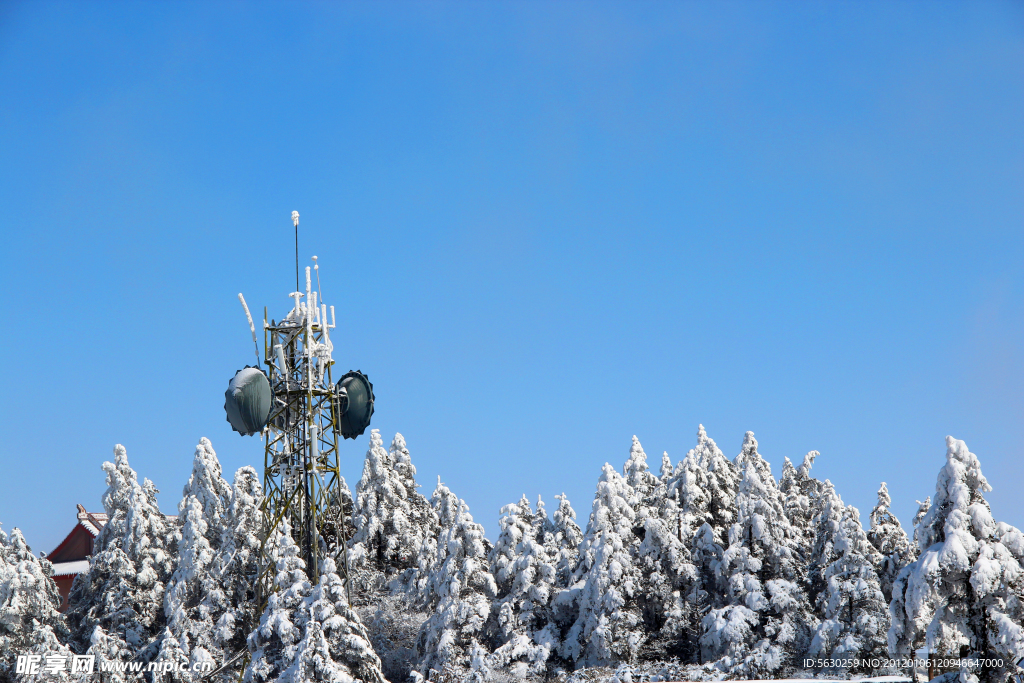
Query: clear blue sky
[{"x": 549, "y": 226}]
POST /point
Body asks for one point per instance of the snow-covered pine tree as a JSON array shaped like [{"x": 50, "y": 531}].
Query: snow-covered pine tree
[
  {"x": 29, "y": 621},
  {"x": 922, "y": 510},
  {"x": 965, "y": 592},
  {"x": 669, "y": 596},
  {"x": 392, "y": 519},
  {"x": 609, "y": 627},
  {"x": 848, "y": 598},
  {"x": 195, "y": 598},
  {"x": 566, "y": 537},
  {"x": 422, "y": 519},
  {"x": 308, "y": 633},
  {"x": 516, "y": 526},
  {"x": 444, "y": 507},
  {"x": 237, "y": 564},
  {"x": 335, "y": 645},
  {"x": 643, "y": 483},
  {"x": 666, "y": 467},
  {"x": 542, "y": 526},
  {"x": 273, "y": 643},
  {"x": 765, "y": 626},
  {"x": 687, "y": 509},
  {"x": 458, "y": 592},
  {"x": 800, "y": 492},
  {"x": 891, "y": 542},
  {"x": 122, "y": 593},
  {"x": 722, "y": 482},
  {"x": 521, "y": 631}
]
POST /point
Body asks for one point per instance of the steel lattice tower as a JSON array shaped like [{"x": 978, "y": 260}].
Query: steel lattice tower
[{"x": 301, "y": 480}]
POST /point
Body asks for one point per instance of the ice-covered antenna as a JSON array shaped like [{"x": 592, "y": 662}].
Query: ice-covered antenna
[
  {"x": 252, "y": 328},
  {"x": 279, "y": 350},
  {"x": 295, "y": 220}
]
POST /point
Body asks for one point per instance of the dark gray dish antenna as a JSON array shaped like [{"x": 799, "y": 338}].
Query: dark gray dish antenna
[
  {"x": 353, "y": 403},
  {"x": 248, "y": 400}
]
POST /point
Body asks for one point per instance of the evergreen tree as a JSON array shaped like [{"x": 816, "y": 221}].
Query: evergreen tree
[
  {"x": 392, "y": 519},
  {"x": 444, "y": 507},
  {"x": 891, "y": 542},
  {"x": 642, "y": 482},
  {"x": 964, "y": 595},
  {"x": 522, "y": 632},
  {"x": 687, "y": 509},
  {"x": 565, "y": 541},
  {"x": 458, "y": 593},
  {"x": 122, "y": 593},
  {"x": 666, "y": 467},
  {"x": 849, "y": 599},
  {"x": 236, "y": 567},
  {"x": 542, "y": 526},
  {"x": 922, "y": 510},
  {"x": 609, "y": 627},
  {"x": 29, "y": 621},
  {"x": 195, "y": 598},
  {"x": 722, "y": 482},
  {"x": 800, "y": 492},
  {"x": 669, "y": 598},
  {"x": 764, "y": 628},
  {"x": 308, "y": 632}
]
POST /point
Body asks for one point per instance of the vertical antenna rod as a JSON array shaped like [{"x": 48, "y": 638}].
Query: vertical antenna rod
[{"x": 295, "y": 220}]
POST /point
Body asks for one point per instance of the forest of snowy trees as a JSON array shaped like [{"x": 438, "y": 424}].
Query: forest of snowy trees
[{"x": 709, "y": 569}]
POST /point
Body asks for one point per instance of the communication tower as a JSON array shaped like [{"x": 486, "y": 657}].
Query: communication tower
[{"x": 301, "y": 411}]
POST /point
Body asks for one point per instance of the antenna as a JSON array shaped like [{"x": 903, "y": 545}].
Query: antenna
[
  {"x": 295, "y": 220},
  {"x": 252, "y": 328}
]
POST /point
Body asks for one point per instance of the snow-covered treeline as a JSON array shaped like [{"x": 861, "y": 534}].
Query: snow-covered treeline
[{"x": 710, "y": 568}]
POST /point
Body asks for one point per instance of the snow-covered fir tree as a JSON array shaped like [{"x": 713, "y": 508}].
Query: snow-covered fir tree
[
  {"x": 308, "y": 633},
  {"x": 458, "y": 593},
  {"x": 444, "y": 507},
  {"x": 891, "y": 542},
  {"x": 566, "y": 536},
  {"x": 722, "y": 482},
  {"x": 237, "y": 564},
  {"x": 670, "y": 595},
  {"x": 666, "y": 467},
  {"x": 847, "y": 598},
  {"x": 116, "y": 607},
  {"x": 765, "y": 626},
  {"x": 522, "y": 630},
  {"x": 392, "y": 519},
  {"x": 642, "y": 482},
  {"x": 964, "y": 595},
  {"x": 29, "y": 621},
  {"x": 195, "y": 599},
  {"x": 609, "y": 627},
  {"x": 922, "y": 510},
  {"x": 800, "y": 492},
  {"x": 686, "y": 509}
]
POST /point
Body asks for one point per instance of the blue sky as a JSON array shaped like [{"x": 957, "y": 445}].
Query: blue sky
[{"x": 549, "y": 226}]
